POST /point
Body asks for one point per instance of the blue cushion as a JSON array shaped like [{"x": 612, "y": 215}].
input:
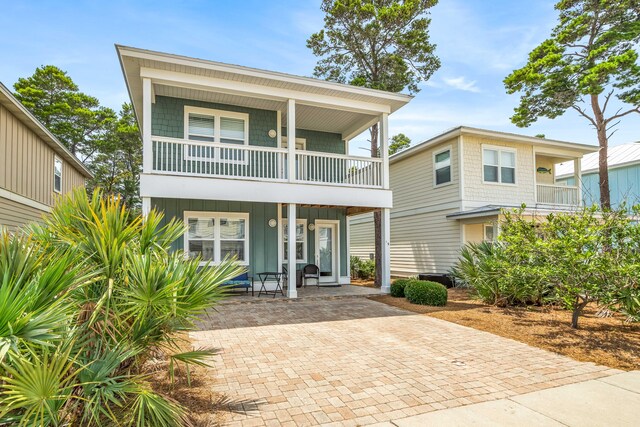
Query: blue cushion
[{"x": 241, "y": 280}]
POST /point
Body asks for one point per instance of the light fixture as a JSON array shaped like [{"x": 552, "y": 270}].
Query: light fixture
[
  {"x": 272, "y": 223},
  {"x": 272, "y": 133},
  {"x": 312, "y": 226}
]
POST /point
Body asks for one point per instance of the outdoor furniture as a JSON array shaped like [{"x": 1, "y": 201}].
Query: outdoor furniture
[
  {"x": 277, "y": 276},
  {"x": 242, "y": 281},
  {"x": 286, "y": 279},
  {"x": 311, "y": 271}
]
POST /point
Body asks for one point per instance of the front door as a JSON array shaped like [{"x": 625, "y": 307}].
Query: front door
[{"x": 327, "y": 251}]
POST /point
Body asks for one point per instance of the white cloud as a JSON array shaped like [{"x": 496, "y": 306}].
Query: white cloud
[{"x": 461, "y": 83}]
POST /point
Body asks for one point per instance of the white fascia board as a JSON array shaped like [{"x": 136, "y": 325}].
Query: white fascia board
[
  {"x": 24, "y": 200},
  {"x": 185, "y": 187},
  {"x": 172, "y": 78}
]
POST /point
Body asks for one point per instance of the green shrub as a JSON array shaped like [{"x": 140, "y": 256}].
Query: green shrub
[
  {"x": 397, "y": 287},
  {"x": 426, "y": 293},
  {"x": 362, "y": 269}
]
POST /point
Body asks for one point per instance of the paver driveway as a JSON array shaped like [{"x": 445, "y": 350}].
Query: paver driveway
[{"x": 354, "y": 361}]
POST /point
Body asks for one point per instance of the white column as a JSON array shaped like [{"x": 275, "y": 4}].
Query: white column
[
  {"x": 385, "y": 229},
  {"x": 291, "y": 139},
  {"x": 384, "y": 149},
  {"x": 146, "y": 206},
  {"x": 280, "y": 245},
  {"x": 147, "y": 145},
  {"x": 292, "y": 292},
  {"x": 577, "y": 174}
]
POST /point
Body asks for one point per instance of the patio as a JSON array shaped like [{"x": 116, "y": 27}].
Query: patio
[
  {"x": 353, "y": 361},
  {"x": 304, "y": 293}
]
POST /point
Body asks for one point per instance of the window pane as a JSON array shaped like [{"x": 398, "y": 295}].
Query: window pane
[
  {"x": 201, "y": 228},
  {"x": 232, "y": 228},
  {"x": 508, "y": 159},
  {"x": 57, "y": 167},
  {"x": 201, "y": 125},
  {"x": 491, "y": 157},
  {"x": 299, "y": 232},
  {"x": 441, "y": 157},
  {"x": 488, "y": 232},
  {"x": 57, "y": 182},
  {"x": 204, "y": 248},
  {"x": 443, "y": 175},
  {"x": 509, "y": 175},
  {"x": 232, "y": 248},
  {"x": 231, "y": 128},
  {"x": 299, "y": 250},
  {"x": 491, "y": 173}
]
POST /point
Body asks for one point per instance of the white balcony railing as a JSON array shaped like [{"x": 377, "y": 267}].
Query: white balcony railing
[
  {"x": 190, "y": 158},
  {"x": 558, "y": 195}
]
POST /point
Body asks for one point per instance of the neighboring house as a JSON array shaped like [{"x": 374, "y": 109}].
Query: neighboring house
[
  {"x": 34, "y": 166},
  {"x": 624, "y": 175},
  {"x": 256, "y": 162},
  {"x": 450, "y": 190}
]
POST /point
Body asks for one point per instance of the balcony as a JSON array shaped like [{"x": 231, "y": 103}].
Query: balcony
[
  {"x": 181, "y": 157},
  {"x": 561, "y": 195}
]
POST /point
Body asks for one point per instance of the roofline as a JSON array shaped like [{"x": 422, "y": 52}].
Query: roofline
[
  {"x": 457, "y": 131},
  {"x": 44, "y": 133},
  {"x": 255, "y": 72}
]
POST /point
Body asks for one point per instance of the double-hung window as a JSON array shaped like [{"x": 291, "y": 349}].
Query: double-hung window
[
  {"x": 206, "y": 126},
  {"x": 301, "y": 240},
  {"x": 499, "y": 165},
  {"x": 442, "y": 167},
  {"x": 57, "y": 175},
  {"x": 214, "y": 236},
  {"x": 489, "y": 232}
]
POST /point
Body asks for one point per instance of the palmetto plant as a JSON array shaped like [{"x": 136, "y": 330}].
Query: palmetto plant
[{"x": 86, "y": 298}]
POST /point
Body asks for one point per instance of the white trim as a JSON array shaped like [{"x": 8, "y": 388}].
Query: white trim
[
  {"x": 348, "y": 243},
  {"x": 484, "y": 232},
  {"x": 291, "y": 135},
  {"x": 147, "y": 144},
  {"x": 279, "y": 129},
  {"x": 299, "y": 141},
  {"x": 337, "y": 258},
  {"x": 461, "y": 165},
  {"x": 302, "y": 221},
  {"x": 57, "y": 160},
  {"x": 384, "y": 147},
  {"x": 292, "y": 291},
  {"x": 500, "y": 150},
  {"x": 344, "y": 280},
  {"x": 435, "y": 169},
  {"x": 280, "y": 242},
  {"x": 216, "y": 230},
  {"x": 6, "y": 194},
  {"x": 146, "y": 206},
  {"x": 385, "y": 229}
]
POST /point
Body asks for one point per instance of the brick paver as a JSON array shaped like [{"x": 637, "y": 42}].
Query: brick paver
[{"x": 355, "y": 362}]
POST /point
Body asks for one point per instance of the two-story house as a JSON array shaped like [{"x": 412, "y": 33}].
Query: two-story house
[
  {"x": 256, "y": 163},
  {"x": 450, "y": 190},
  {"x": 34, "y": 165},
  {"x": 624, "y": 175}
]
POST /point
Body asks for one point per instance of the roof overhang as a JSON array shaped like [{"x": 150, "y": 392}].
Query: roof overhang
[
  {"x": 492, "y": 211},
  {"x": 25, "y": 116},
  {"x": 320, "y": 105}
]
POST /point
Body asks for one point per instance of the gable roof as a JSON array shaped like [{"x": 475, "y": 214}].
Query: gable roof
[
  {"x": 492, "y": 134},
  {"x": 618, "y": 156},
  {"x": 25, "y": 116}
]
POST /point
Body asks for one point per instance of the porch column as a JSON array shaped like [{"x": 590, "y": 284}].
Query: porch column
[
  {"x": 577, "y": 174},
  {"x": 292, "y": 292},
  {"x": 385, "y": 230},
  {"x": 384, "y": 149},
  {"x": 291, "y": 139},
  {"x": 146, "y": 206},
  {"x": 147, "y": 144}
]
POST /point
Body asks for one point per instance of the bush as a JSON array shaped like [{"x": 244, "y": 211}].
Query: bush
[
  {"x": 426, "y": 293},
  {"x": 398, "y": 286},
  {"x": 362, "y": 269}
]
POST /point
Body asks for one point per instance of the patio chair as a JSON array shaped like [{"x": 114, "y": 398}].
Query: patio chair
[
  {"x": 311, "y": 271},
  {"x": 285, "y": 278},
  {"x": 242, "y": 281}
]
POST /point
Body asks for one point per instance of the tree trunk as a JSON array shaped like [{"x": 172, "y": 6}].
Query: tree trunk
[
  {"x": 581, "y": 303},
  {"x": 603, "y": 142},
  {"x": 377, "y": 215}
]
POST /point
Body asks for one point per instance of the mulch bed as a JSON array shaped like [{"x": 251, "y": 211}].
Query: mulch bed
[{"x": 605, "y": 341}]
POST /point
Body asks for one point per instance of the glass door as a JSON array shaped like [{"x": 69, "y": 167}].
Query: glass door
[{"x": 326, "y": 252}]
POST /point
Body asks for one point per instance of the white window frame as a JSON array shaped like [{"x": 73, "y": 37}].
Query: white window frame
[
  {"x": 216, "y": 233},
  {"x": 56, "y": 160},
  {"x": 217, "y": 115},
  {"x": 484, "y": 232},
  {"x": 305, "y": 243},
  {"x": 299, "y": 141},
  {"x": 436, "y": 153},
  {"x": 500, "y": 150}
]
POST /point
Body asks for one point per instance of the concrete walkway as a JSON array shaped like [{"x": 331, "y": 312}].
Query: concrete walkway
[
  {"x": 608, "y": 401},
  {"x": 354, "y": 362}
]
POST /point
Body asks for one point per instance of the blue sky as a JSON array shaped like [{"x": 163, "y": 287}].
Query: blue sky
[{"x": 478, "y": 47}]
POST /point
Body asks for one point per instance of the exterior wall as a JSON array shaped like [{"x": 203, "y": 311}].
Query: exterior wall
[
  {"x": 473, "y": 233},
  {"x": 263, "y": 240},
  {"x": 167, "y": 119},
  {"x": 361, "y": 236},
  {"x": 624, "y": 185},
  {"x": 477, "y": 193},
  {"x": 14, "y": 214},
  {"x": 545, "y": 178}
]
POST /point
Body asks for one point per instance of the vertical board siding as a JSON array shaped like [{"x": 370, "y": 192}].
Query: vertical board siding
[
  {"x": 624, "y": 186},
  {"x": 26, "y": 163}
]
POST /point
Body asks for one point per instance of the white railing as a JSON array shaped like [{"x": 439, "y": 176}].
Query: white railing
[
  {"x": 338, "y": 169},
  {"x": 558, "y": 195},
  {"x": 191, "y": 158}
]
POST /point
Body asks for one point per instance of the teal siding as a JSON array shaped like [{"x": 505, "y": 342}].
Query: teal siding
[
  {"x": 263, "y": 240},
  {"x": 321, "y": 141},
  {"x": 624, "y": 185}
]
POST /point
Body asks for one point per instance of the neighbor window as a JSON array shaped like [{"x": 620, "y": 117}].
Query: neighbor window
[
  {"x": 499, "y": 165},
  {"x": 442, "y": 167},
  {"x": 489, "y": 232},
  {"x": 57, "y": 175},
  {"x": 301, "y": 240},
  {"x": 206, "y": 125},
  {"x": 214, "y": 236}
]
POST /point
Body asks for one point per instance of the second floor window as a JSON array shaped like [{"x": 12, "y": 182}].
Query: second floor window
[
  {"x": 442, "y": 167},
  {"x": 57, "y": 175},
  {"x": 203, "y": 124},
  {"x": 499, "y": 165}
]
